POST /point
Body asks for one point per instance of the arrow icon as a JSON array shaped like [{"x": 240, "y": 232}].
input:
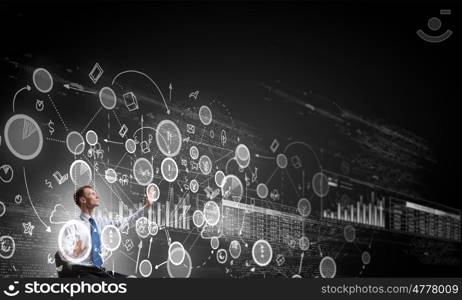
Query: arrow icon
[
  {"x": 77, "y": 87},
  {"x": 140, "y": 245},
  {"x": 48, "y": 228},
  {"x": 149, "y": 251},
  {"x": 27, "y": 87}
]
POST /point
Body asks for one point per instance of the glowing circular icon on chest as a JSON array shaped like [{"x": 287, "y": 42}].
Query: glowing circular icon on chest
[
  {"x": 169, "y": 169},
  {"x": 231, "y": 188},
  {"x": 211, "y": 213},
  {"x": 219, "y": 176},
  {"x": 168, "y": 138},
  {"x": 130, "y": 146},
  {"x": 194, "y": 186},
  {"x": 242, "y": 156},
  {"x": 142, "y": 171},
  {"x": 42, "y": 80},
  {"x": 222, "y": 256},
  {"x": 235, "y": 249},
  {"x": 214, "y": 243},
  {"x": 198, "y": 218},
  {"x": 80, "y": 173},
  {"x": 205, "y": 115},
  {"x": 23, "y": 137},
  {"x": 75, "y": 143},
  {"x": 194, "y": 152},
  {"x": 152, "y": 192},
  {"x": 327, "y": 267},
  {"x": 262, "y": 253},
  {"x": 142, "y": 227},
  {"x": 176, "y": 253},
  {"x": 110, "y": 175},
  {"x": 91, "y": 137},
  {"x": 182, "y": 270},
  {"x": 205, "y": 164},
  {"x": 108, "y": 98},
  {"x": 110, "y": 237},
  {"x": 74, "y": 241}
]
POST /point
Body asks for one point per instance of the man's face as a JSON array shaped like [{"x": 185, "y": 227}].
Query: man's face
[{"x": 90, "y": 199}]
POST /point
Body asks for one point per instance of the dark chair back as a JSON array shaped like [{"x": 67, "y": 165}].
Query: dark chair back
[{"x": 63, "y": 268}]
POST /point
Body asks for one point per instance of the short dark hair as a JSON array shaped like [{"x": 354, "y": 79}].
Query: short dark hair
[{"x": 80, "y": 192}]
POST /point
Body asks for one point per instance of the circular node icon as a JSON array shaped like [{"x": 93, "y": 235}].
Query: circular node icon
[
  {"x": 111, "y": 238},
  {"x": 80, "y": 173},
  {"x": 194, "y": 186},
  {"x": 327, "y": 267},
  {"x": 222, "y": 256},
  {"x": 130, "y": 146},
  {"x": 349, "y": 232},
  {"x": 211, "y": 213},
  {"x": 219, "y": 176},
  {"x": 91, "y": 137},
  {"x": 366, "y": 257},
  {"x": 296, "y": 276},
  {"x": 110, "y": 175},
  {"x": 281, "y": 161},
  {"x": 304, "y": 243},
  {"x": 153, "y": 228},
  {"x": 108, "y": 98},
  {"x": 304, "y": 207},
  {"x": 169, "y": 169},
  {"x": 145, "y": 268},
  {"x": 194, "y": 152},
  {"x": 235, "y": 249},
  {"x": 205, "y": 164},
  {"x": 198, "y": 218},
  {"x": 142, "y": 171},
  {"x": 262, "y": 190},
  {"x": 231, "y": 188},
  {"x": 75, "y": 143},
  {"x": 2, "y": 209},
  {"x": 142, "y": 227},
  {"x": 214, "y": 243},
  {"x": 74, "y": 241},
  {"x": 262, "y": 253},
  {"x": 152, "y": 192},
  {"x": 320, "y": 184},
  {"x": 23, "y": 137},
  {"x": 242, "y": 156},
  {"x": 168, "y": 138},
  {"x": 8, "y": 247},
  {"x": 176, "y": 253},
  {"x": 183, "y": 270},
  {"x": 42, "y": 80},
  {"x": 205, "y": 115}
]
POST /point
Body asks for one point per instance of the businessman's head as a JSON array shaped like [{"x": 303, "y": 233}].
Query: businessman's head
[{"x": 86, "y": 198}]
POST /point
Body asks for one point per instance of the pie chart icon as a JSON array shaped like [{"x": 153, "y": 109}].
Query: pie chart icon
[{"x": 23, "y": 137}]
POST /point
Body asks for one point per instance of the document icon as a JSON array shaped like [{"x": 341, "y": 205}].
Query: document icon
[{"x": 130, "y": 101}]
